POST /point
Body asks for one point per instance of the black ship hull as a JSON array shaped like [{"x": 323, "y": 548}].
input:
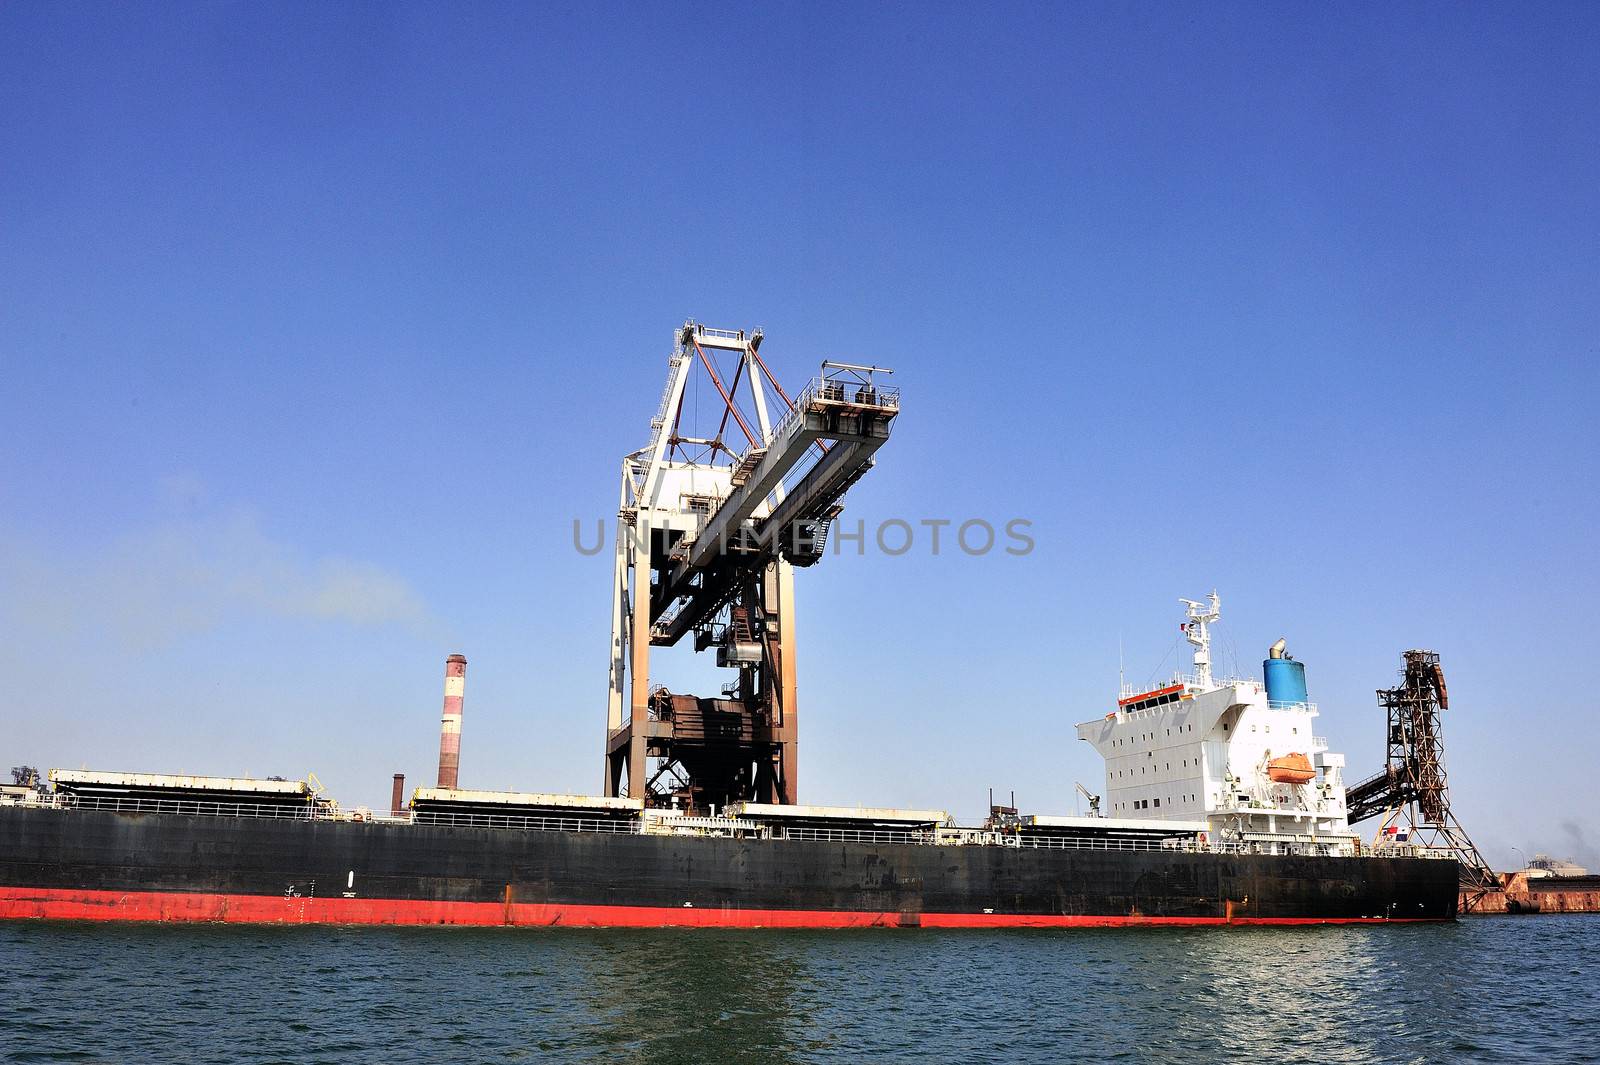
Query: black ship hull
[{"x": 91, "y": 864}]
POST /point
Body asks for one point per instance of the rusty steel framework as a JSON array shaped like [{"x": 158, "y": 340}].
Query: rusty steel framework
[
  {"x": 1411, "y": 791},
  {"x": 708, "y": 536}
]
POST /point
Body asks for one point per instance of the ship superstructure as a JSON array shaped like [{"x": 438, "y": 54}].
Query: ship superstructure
[{"x": 1239, "y": 755}]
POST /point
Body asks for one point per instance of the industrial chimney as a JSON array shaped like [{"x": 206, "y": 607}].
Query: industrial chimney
[
  {"x": 397, "y": 801},
  {"x": 455, "y": 691}
]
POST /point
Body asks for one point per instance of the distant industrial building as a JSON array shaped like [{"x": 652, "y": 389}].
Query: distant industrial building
[{"x": 1544, "y": 865}]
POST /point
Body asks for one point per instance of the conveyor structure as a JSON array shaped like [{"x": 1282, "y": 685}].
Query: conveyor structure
[
  {"x": 1411, "y": 791},
  {"x": 708, "y": 536}
]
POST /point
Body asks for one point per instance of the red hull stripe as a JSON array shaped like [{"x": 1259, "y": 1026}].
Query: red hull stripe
[{"x": 64, "y": 904}]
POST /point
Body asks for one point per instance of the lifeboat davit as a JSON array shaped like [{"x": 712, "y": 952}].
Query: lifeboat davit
[{"x": 1291, "y": 769}]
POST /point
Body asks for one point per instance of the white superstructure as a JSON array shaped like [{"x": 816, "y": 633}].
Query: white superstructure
[{"x": 1219, "y": 752}]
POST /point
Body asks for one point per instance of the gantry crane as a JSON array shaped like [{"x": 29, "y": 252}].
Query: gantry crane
[{"x": 708, "y": 537}]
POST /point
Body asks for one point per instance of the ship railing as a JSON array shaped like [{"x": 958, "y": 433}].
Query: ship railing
[
  {"x": 985, "y": 838},
  {"x": 1304, "y": 848},
  {"x": 528, "y": 823},
  {"x": 1410, "y": 850},
  {"x": 1191, "y": 680},
  {"x": 322, "y": 812},
  {"x": 1089, "y": 843},
  {"x": 1179, "y": 844},
  {"x": 197, "y": 807},
  {"x": 859, "y": 835}
]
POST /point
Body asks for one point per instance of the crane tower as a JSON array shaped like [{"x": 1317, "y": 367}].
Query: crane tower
[
  {"x": 709, "y": 533},
  {"x": 1411, "y": 791}
]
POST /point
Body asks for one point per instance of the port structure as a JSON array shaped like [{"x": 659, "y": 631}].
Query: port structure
[
  {"x": 1411, "y": 791},
  {"x": 712, "y": 523}
]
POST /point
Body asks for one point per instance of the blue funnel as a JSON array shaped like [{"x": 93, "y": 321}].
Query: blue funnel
[{"x": 1286, "y": 681}]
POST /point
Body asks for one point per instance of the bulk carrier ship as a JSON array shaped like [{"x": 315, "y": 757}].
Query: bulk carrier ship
[{"x": 1222, "y": 806}]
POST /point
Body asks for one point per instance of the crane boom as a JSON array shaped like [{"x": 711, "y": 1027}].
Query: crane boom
[{"x": 707, "y": 541}]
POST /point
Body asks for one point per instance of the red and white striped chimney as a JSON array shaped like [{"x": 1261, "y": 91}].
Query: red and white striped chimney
[{"x": 455, "y": 693}]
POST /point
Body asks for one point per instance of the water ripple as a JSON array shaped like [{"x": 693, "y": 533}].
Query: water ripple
[{"x": 1492, "y": 989}]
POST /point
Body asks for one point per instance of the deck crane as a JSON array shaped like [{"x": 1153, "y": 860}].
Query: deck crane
[
  {"x": 1094, "y": 800},
  {"x": 708, "y": 536}
]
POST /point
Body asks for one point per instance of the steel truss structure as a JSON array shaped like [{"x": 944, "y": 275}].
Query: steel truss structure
[
  {"x": 708, "y": 537},
  {"x": 1411, "y": 791}
]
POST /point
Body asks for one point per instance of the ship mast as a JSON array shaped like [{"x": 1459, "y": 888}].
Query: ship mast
[{"x": 1197, "y": 631}]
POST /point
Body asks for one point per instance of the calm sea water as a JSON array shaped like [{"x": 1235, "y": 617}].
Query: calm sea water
[{"x": 1488, "y": 989}]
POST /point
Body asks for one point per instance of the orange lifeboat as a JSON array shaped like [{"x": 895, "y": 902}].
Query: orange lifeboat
[{"x": 1291, "y": 769}]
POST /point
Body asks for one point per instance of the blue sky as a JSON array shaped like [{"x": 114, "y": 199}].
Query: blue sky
[{"x": 321, "y": 323}]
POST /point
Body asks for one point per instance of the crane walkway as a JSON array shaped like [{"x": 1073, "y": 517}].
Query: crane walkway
[{"x": 845, "y": 412}]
